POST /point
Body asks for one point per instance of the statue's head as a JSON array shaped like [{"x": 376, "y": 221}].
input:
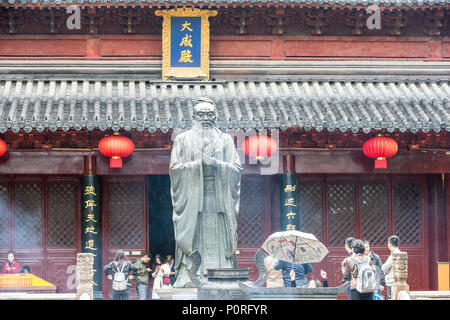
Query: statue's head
[{"x": 205, "y": 112}]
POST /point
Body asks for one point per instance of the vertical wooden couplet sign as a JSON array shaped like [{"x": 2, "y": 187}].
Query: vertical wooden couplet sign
[
  {"x": 91, "y": 228},
  {"x": 185, "y": 43},
  {"x": 289, "y": 219}
]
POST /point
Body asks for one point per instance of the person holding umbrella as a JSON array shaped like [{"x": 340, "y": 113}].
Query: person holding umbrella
[
  {"x": 294, "y": 273},
  {"x": 295, "y": 252}
]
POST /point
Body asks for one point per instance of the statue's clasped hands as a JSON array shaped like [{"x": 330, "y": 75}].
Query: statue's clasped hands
[{"x": 208, "y": 158}]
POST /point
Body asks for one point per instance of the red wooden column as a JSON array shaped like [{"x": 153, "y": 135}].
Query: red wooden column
[
  {"x": 438, "y": 235},
  {"x": 447, "y": 202}
]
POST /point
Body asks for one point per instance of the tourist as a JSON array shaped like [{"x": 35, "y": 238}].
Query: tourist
[
  {"x": 25, "y": 269},
  {"x": 157, "y": 276},
  {"x": 274, "y": 277},
  {"x": 142, "y": 274},
  {"x": 393, "y": 242},
  {"x": 12, "y": 265},
  {"x": 293, "y": 272},
  {"x": 171, "y": 263},
  {"x": 348, "y": 247},
  {"x": 314, "y": 283},
  {"x": 376, "y": 261},
  {"x": 167, "y": 272},
  {"x": 350, "y": 270},
  {"x": 119, "y": 266}
]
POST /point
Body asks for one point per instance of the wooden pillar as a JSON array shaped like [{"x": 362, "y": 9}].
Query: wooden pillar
[
  {"x": 438, "y": 235},
  {"x": 447, "y": 209},
  {"x": 91, "y": 227},
  {"x": 289, "y": 219}
]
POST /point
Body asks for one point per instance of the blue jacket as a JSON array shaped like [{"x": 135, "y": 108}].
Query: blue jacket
[{"x": 301, "y": 270}]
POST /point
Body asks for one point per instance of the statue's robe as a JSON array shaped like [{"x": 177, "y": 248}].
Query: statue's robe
[{"x": 205, "y": 200}]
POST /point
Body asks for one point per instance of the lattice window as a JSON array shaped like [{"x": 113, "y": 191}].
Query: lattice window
[
  {"x": 341, "y": 211},
  {"x": 4, "y": 215},
  {"x": 407, "y": 222},
  {"x": 27, "y": 215},
  {"x": 374, "y": 212},
  {"x": 61, "y": 214},
  {"x": 126, "y": 206},
  {"x": 310, "y": 208},
  {"x": 251, "y": 214}
]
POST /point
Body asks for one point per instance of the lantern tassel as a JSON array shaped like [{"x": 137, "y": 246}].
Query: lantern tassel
[
  {"x": 115, "y": 162},
  {"x": 380, "y": 163}
]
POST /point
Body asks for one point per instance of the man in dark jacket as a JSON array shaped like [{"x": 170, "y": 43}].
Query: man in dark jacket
[
  {"x": 300, "y": 270},
  {"x": 142, "y": 276},
  {"x": 376, "y": 261}
]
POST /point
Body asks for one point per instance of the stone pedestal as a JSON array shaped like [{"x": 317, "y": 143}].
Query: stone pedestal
[
  {"x": 85, "y": 271},
  {"x": 223, "y": 284},
  {"x": 301, "y": 293},
  {"x": 177, "y": 294},
  {"x": 400, "y": 273}
]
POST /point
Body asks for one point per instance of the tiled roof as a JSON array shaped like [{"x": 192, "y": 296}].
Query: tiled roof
[
  {"x": 222, "y": 2},
  {"x": 147, "y": 105}
]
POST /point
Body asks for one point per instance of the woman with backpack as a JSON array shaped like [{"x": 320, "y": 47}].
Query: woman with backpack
[
  {"x": 361, "y": 272},
  {"x": 120, "y": 269}
]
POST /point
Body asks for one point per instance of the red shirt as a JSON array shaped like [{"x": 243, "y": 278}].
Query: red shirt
[{"x": 14, "y": 268}]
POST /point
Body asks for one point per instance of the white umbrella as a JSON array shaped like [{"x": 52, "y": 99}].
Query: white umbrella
[{"x": 295, "y": 246}]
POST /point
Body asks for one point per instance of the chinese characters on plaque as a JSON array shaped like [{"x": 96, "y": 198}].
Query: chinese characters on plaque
[{"x": 185, "y": 43}]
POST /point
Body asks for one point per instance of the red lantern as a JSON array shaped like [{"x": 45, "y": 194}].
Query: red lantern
[
  {"x": 2, "y": 147},
  {"x": 259, "y": 147},
  {"x": 116, "y": 147},
  {"x": 380, "y": 148}
]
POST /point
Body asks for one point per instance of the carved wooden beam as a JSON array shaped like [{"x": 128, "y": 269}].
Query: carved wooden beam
[
  {"x": 242, "y": 19},
  {"x": 318, "y": 19},
  {"x": 356, "y": 20},
  {"x": 93, "y": 18},
  {"x": 434, "y": 21},
  {"x": 129, "y": 18},
  {"x": 396, "y": 21},
  {"x": 277, "y": 21},
  {"x": 54, "y": 19},
  {"x": 13, "y": 20}
]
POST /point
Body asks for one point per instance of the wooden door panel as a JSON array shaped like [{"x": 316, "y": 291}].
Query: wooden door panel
[
  {"x": 37, "y": 266},
  {"x": 43, "y": 211},
  {"x": 373, "y": 208},
  {"x": 253, "y": 221},
  {"x": 60, "y": 273},
  {"x": 124, "y": 216},
  {"x": 246, "y": 260},
  {"x": 415, "y": 271}
]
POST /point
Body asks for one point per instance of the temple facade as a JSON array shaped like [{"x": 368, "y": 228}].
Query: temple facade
[{"x": 311, "y": 75}]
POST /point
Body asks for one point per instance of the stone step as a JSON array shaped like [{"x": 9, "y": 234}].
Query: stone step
[
  {"x": 430, "y": 295},
  {"x": 37, "y": 296}
]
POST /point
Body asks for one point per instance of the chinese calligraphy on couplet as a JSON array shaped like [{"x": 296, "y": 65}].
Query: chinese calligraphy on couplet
[
  {"x": 289, "y": 203},
  {"x": 91, "y": 224}
]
